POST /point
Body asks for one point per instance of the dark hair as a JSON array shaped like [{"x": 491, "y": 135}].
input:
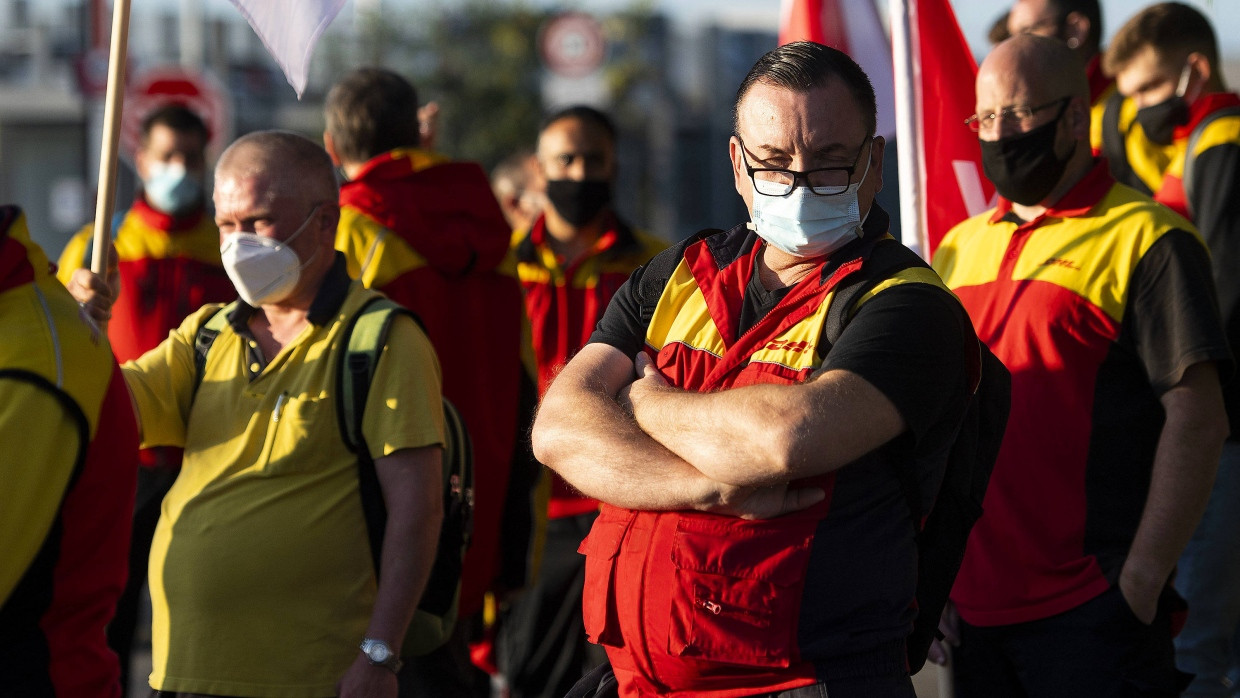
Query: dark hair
[
  {"x": 1172, "y": 29},
  {"x": 585, "y": 114},
  {"x": 804, "y": 65},
  {"x": 177, "y": 117},
  {"x": 1092, "y": 11},
  {"x": 371, "y": 111},
  {"x": 998, "y": 32}
]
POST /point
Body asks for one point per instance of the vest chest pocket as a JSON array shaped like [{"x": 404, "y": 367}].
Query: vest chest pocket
[
  {"x": 738, "y": 589},
  {"x": 601, "y": 548}
]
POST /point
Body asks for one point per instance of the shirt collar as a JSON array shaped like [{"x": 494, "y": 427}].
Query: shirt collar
[{"x": 1082, "y": 197}]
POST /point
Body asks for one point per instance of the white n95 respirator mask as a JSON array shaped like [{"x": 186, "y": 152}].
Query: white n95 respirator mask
[{"x": 262, "y": 269}]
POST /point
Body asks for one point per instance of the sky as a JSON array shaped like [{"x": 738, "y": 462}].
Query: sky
[{"x": 689, "y": 14}]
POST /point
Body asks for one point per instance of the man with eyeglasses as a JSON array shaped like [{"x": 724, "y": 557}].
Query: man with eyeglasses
[
  {"x": 1100, "y": 303},
  {"x": 754, "y": 537}
]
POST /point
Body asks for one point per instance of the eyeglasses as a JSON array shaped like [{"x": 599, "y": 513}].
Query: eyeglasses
[
  {"x": 1021, "y": 114},
  {"x": 777, "y": 181}
]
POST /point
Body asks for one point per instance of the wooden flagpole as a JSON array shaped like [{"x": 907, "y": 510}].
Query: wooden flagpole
[{"x": 117, "y": 57}]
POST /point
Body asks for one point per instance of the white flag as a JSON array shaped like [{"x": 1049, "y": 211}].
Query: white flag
[{"x": 290, "y": 29}]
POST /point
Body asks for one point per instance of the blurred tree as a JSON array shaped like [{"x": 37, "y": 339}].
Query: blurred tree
[{"x": 479, "y": 60}]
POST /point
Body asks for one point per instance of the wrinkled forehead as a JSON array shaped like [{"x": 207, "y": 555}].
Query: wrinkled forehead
[{"x": 818, "y": 119}]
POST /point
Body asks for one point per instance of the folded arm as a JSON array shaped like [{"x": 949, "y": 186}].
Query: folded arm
[
  {"x": 764, "y": 434},
  {"x": 584, "y": 434}
]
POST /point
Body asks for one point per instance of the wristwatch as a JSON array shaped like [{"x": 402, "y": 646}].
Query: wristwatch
[{"x": 379, "y": 654}]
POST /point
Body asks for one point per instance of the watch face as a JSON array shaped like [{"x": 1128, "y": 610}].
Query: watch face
[{"x": 377, "y": 651}]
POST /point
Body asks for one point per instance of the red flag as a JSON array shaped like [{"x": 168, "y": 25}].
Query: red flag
[
  {"x": 854, "y": 27},
  {"x": 952, "y": 186}
]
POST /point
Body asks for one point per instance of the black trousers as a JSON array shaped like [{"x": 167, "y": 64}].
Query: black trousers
[
  {"x": 1096, "y": 650},
  {"x": 153, "y": 484},
  {"x": 541, "y": 644}
]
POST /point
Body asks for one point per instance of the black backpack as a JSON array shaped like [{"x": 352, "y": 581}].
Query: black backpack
[
  {"x": 365, "y": 337},
  {"x": 941, "y": 541},
  {"x": 958, "y": 505}
]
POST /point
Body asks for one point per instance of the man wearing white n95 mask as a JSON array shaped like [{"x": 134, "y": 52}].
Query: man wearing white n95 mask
[
  {"x": 754, "y": 539},
  {"x": 262, "y": 579}
]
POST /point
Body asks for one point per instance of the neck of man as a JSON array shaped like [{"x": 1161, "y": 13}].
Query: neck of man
[
  {"x": 278, "y": 324},
  {"x": 1079, "y": 165},
  {"x": 568, "y": 241},
  {"x": 778, "y": 269}
]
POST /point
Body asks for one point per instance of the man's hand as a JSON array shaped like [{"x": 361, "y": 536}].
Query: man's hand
[
  {"x": 428, "y": 125},
  {"x": 764, "y": 502},
  {"x": 949, "y": 625},
  {"x": 366, "y": 680},
  {"x": 1141, "y": 594},
  {"x": 95, "y": 295}
]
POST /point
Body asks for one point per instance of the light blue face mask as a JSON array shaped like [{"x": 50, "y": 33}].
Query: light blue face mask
[
  {"x": 170, "y": 188},
  {"x": 805, "y": 224}
]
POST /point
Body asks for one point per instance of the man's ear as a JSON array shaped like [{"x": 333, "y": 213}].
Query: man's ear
[
  {"x": 330, "y": 146},
  {"x": 1076, "y": 29},
  {"x": 1200, "y": 72}
]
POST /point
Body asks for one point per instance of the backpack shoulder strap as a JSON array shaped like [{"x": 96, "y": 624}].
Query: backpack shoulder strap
[
  {"x": 366, "y": 336},
  {"x": 205, "y": 337},
  {"x": 1190, "y": 152}
]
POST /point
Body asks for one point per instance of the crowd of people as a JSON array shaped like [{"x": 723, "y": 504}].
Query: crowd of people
[{"x": 710, "y": 468}]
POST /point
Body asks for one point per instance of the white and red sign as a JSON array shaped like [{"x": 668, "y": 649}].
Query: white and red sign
[
  {"x": 572, "y": 44},
  {"x": 198, "y": 92}
]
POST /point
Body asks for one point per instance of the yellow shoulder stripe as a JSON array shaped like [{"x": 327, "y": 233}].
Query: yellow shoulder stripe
[{"x": 375, "y": 255}]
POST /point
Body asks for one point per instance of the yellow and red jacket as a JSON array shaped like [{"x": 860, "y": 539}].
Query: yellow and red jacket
[
  {"x": 1197, "y": 175},
  {"x": 68, "y": 492},
  {"x": 699, "y": 604},
  {"x": 429, "y": 234},
  {"x": 564, "y": 303}
]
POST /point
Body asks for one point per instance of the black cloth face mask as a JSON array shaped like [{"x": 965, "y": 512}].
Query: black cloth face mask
[
  {"x": 1159, "y": 120},
  {"x": 1024, "y": 168},
  {"x": 579, "y": 201}
]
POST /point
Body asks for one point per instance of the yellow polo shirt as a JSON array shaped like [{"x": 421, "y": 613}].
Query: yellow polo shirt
[{"x": 260, "y": 571}]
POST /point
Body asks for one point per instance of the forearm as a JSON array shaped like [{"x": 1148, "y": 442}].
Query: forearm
[
  {"x": 591, "y": 441},
  {"x": 764, "y": 435},
  {"x": 410, "y": 540},
  {"x": 737, "y": 436},
  {"x": 1182, "y": 477}
]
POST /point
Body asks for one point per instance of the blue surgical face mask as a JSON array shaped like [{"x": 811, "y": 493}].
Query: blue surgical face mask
[
  {"x": 805, "y": 224},
  {"x": 170, "y": 188}
]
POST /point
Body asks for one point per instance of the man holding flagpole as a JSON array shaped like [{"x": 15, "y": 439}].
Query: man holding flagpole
[{"x": 263, "y": 582}]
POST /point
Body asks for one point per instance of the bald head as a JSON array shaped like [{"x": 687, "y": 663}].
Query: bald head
[
  {"x": 289, "y": 165},
  {"x": 1042, "y": 69}
]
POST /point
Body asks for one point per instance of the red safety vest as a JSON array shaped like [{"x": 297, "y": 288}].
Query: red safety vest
[{"x": 692, "y": 603}]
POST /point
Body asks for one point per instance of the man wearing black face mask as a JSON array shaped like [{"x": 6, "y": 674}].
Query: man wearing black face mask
[
  {"x": 1165, "y": 59},
  {"x": 1100, "y": 303},
  {"x": 571, "y": 261}
]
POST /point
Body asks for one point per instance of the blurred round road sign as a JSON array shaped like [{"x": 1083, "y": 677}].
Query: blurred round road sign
[
  {"x": 572, "y": 44},
  {"x": 174, "y": 85}
]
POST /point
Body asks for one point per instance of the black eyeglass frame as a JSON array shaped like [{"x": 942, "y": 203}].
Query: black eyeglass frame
[
  {"x": 974, "y": 122},
  {"x": 801, "y": 175}
]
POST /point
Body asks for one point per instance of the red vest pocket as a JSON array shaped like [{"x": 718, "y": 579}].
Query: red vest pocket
[
  {"x": 598, "y": 604},
  {"x": 738, "y": 589}
]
